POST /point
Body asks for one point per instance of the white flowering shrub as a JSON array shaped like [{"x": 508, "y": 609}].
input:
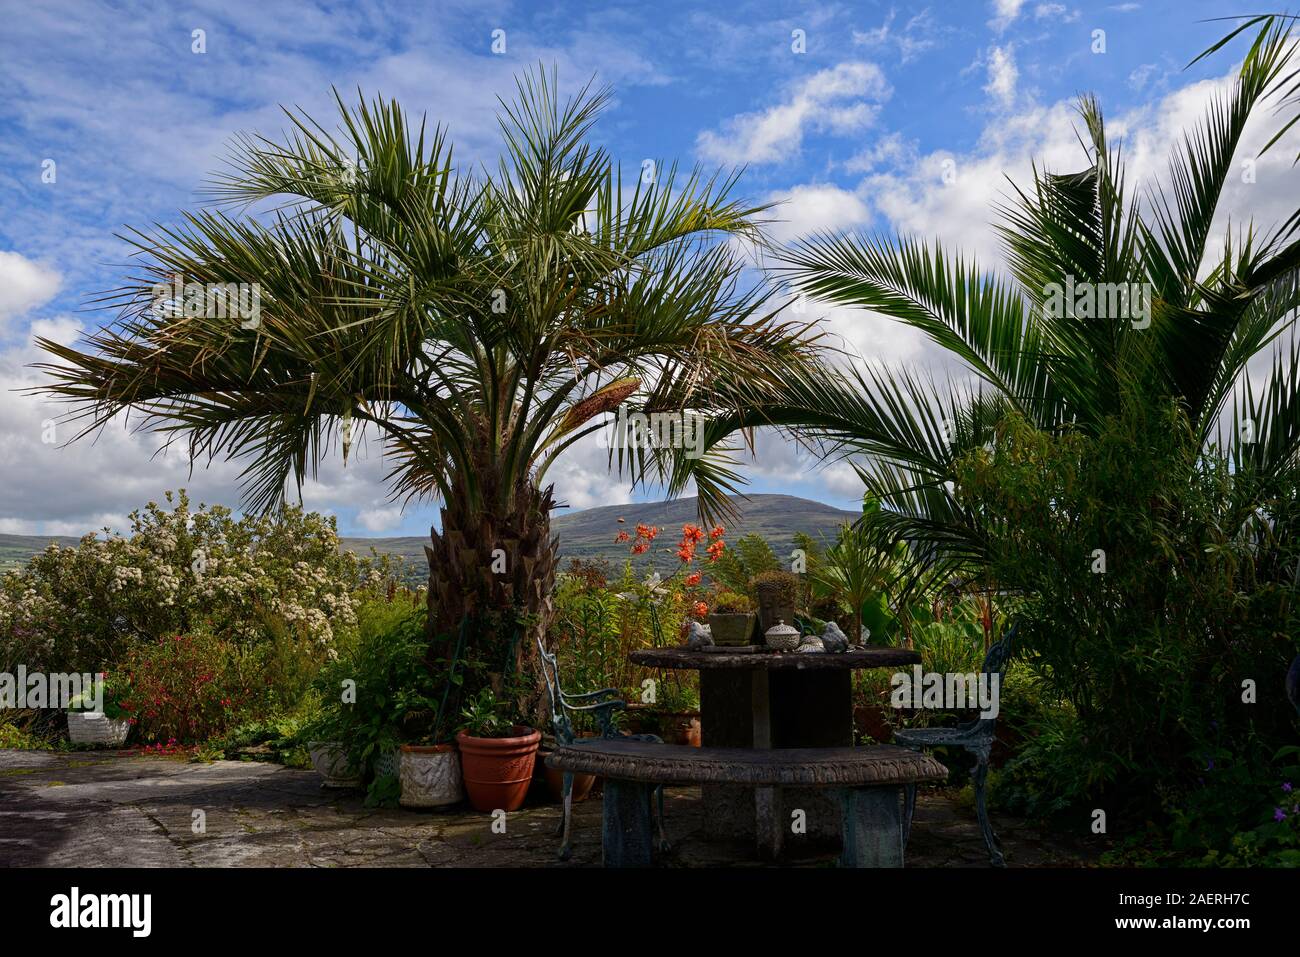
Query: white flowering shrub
[{"x": 275, "y": 584}]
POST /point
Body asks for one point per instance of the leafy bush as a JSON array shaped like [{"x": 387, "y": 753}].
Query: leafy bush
[
  {"x": 248, "y": 581},
  {"x": 1150, "y": 594},
  {"x": 115, "y": 690},
  {"x": 748, "y": 556},
  {"x": 188, "y": 688},
  {"x": 385, "y": 693}
]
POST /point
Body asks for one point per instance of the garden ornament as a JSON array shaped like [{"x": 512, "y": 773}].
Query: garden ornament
[
  {"x": 781, "y": 636},
  {"x": 833, "y": 639},
  {"x": 700, "y": 636}
]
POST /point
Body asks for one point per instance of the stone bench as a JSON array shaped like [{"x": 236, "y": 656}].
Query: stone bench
[{"x": 871, "y": 781}]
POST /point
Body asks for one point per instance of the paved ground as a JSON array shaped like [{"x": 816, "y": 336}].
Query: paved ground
[{"x": 93, "y": 809}]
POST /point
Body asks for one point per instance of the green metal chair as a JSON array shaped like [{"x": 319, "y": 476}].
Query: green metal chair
[
  {"x": 973, "y": 736},
  {"x": 603, "y": 704}
]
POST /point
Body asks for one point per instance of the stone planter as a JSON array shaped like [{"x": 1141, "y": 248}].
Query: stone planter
[
  {"x": 331, "y": 763},
  {"x": 430, "y": 775},
  {"x": 93, "y": 727},
  {"x": 732, "y": 628}
]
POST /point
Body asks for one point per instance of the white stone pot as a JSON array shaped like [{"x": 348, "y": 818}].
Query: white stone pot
[
  {"x": 93, "y": 727},
  {"x": 331, "y": 763},
  {"x": 431, "y": 776}
]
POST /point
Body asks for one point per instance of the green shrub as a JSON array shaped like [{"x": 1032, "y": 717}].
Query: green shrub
[
  {"x": 188, "y": 688},
  {"x": 383, "y": 694},
  {"x": 247, "y": 581},
  {"x": 1149, "y": 594}
]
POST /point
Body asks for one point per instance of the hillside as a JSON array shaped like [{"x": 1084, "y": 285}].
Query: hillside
[
  {"x": 16, "y": 549},
  {"x": 587, "y": 534}
]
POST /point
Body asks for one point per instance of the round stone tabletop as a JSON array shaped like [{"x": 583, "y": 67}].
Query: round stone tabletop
[{"x": 691, "y": 659}]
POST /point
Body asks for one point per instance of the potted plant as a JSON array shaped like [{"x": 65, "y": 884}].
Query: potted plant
[
  {"x": 333, "y": 763},
  {"x": 732, "y": 619},
  {"x": 99, "y": 719},
  {"x": 497, "y": 755},
  {"x": 430, "y": 775}
]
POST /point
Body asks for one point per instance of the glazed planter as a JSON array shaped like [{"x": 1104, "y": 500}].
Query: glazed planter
[
  {"x": 498, "y": 770},
  {"x": 94, "y": 727},
  {"x": 331, "y": 763},
  {"x": 430, "y": 776},
  {"x": 388, "y": 763},
  {"x": 732, "y": 628}
]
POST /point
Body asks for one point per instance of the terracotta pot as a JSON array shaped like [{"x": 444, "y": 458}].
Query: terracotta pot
[
  {"x": 553, "y": 781},
  {"x": 681, "y": 727},
  {"x": 690, "y": 734},
  {"x": 497, "y": 771},
  {"x": 430, "y": 776},
  {"x": 871, "y": 719}
]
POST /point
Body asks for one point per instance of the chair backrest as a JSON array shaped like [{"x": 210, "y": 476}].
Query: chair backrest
[
  {"x": 996, "y": 660},
  {"x": 555, "y": 694},
  {"x": 999, "y": 654}
]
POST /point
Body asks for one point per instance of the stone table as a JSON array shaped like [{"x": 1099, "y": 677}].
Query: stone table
[{"x": 759, "y": 698}]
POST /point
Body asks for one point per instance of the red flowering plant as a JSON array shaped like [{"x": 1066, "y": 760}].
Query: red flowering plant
[
  {"x": 680, "y": 594},
  {"x": 186, "y": 688}
]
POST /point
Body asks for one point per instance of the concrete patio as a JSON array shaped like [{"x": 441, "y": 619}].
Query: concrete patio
[{"x": 92, "y": 809}]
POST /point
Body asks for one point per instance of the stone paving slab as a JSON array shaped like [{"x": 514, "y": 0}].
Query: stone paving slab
[{"x": 95, "y": 809}]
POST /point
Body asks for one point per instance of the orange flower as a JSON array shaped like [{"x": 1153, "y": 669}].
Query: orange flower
[
  {"x": 692, "y": 533},
  {"x": 686, "y": 552},
  {"x": 623, "y": 536},
  {"x": 693, "y": 579},
  {"x": 640, "y": 548},
  {"x": 701, "y": 609},
  {"x": 716, "y": 549},
  {"x": 648, "y": 532},
  {"x": 718, "y": 532}
]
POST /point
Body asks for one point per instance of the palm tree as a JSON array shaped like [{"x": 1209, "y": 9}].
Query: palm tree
[
  {"x": 1211, "y": 312},
  {"x": 478, "y": 323}
]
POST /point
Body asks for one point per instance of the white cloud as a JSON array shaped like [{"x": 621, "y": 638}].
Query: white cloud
[
  {"x": 811, "y": 207},
  {"x": 843, "y": 99},
  {"x": 1005, "y": 13},
  {"x": 1137, "y": 80},
  {"x": 1056, "y": 11},
  {"x": 916, "y": 36},
  {"x": 380, "y": 519},
  {"x": 1002, "y": 75},
  {"x": 24, "y": 285}
]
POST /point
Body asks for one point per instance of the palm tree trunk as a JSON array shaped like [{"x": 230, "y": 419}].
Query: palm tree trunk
[{"x": 493, "y": 568}]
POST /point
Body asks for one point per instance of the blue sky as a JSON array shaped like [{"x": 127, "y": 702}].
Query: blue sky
[{"x": 853, "y": 131}]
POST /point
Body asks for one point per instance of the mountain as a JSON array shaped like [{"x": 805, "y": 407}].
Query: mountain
[
  {"x": 590, "y": 533},
  {"x": 587, "y": 534}
]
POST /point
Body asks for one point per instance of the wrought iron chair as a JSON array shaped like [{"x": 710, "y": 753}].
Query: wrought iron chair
[
  {"x": 973, "y": 736},
  {"x": 603, "y": 704}
]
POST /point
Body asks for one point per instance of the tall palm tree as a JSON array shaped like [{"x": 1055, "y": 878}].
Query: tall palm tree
[
  {"x": 1211, "y": 311},
  {"x": 478, "y": 323}
]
